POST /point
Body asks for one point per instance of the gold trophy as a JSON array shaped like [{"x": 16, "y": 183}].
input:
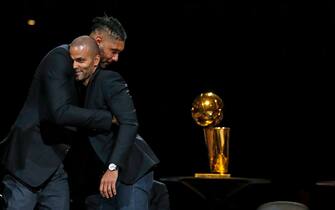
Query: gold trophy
[{"x": 207, "y": 111}]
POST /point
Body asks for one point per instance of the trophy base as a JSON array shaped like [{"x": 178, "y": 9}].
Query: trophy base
[{"x": 211, "y": 175}]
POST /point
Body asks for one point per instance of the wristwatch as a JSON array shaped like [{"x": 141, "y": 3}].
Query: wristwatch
[{"x": 112, "y": 167}]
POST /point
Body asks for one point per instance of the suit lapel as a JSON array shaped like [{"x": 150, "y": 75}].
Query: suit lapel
[{"x": 90, "y": 86}]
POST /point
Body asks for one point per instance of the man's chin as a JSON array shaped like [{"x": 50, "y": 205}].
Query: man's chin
[{"x": 103, "y": 65}]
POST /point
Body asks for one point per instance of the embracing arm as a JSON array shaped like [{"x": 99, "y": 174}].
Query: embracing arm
[{"x": 60, "y": 97}]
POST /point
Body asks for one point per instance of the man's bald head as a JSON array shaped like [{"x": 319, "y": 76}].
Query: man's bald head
[{"x": 85, "y": 43}]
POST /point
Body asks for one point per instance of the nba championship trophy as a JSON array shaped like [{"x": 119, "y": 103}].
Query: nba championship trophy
[{"x": 207, "y": 111}]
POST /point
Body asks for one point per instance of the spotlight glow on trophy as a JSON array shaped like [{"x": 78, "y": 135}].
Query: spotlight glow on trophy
[{"x": 207, "y": 111}]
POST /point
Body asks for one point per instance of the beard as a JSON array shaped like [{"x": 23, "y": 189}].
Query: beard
[{"x": 104, "y": 64}]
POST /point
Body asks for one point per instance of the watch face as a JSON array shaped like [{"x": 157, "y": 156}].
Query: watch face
[{"x": 112, "y": 167}]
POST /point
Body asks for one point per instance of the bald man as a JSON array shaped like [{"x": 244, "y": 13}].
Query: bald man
[{"x": 118, "y": 163}]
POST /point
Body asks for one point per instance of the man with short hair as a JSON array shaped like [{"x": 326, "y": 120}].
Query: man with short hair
[{"x": 41, "y": 136}]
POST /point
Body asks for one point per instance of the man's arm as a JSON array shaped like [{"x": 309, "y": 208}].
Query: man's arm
[
  {"x": 59, "y": 94},
  {"x": 120, "y": 103}
]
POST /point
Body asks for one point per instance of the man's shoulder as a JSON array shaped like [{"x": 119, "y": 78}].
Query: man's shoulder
[
  {"x": 62, "y": 49},
  {"x": 58, "y": 54},
  {"x": 110, "y": 79},
  {"x": 109, "y": 74}
]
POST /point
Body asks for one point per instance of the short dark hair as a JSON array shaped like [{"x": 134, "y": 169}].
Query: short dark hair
[{"x": 110, "y": 25}]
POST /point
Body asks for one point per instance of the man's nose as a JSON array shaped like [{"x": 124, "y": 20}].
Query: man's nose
[
  {"x": 115, "y": 57},
  {"x": 74, "y": 65}
]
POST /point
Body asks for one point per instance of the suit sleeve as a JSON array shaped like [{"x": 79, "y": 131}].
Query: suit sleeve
[
  {"x": 60, "y": 95},
  {"x": 119, "y": 101}
]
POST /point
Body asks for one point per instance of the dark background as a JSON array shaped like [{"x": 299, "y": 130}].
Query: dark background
[{"x": 270, "y": 61}]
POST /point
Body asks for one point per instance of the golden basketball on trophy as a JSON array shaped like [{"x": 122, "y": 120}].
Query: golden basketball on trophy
[{"x": 207, "y": 111}]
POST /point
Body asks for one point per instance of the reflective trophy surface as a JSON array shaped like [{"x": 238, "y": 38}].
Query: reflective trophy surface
[{"x": 207, "y": 111}]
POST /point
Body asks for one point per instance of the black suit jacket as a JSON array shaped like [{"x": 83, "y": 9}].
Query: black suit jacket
[
  {"x": 108, "y": 90},
  {"x": 39, "y": 139}
]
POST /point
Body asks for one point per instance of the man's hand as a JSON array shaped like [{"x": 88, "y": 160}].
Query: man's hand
[
  {"x": 115, "y": 121},
  {"x": 108, "y": 184}
]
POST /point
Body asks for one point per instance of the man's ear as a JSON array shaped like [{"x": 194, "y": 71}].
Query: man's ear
[
  {"x": 98, "y": 39},
  {"x": 96, "y": 60}
]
